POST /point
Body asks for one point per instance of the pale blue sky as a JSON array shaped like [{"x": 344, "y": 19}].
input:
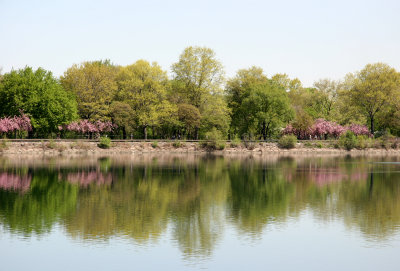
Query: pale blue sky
[{"x": 305, "y": 39}]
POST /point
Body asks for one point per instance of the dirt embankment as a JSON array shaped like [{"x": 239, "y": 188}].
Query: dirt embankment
[{"x": 85, "y": 148}]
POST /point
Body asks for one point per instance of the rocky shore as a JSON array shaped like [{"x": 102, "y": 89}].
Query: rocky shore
[{"x": 54, "y": 148}]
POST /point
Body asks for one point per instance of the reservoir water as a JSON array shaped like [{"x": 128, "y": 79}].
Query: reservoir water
[{"x": 190, "y": 212}]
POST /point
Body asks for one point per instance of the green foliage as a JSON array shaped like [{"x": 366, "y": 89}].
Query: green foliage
[
  {"x": 199, "y": 73},
  {"x": 308, "y": 145},
  {"x": 348, "y": 140},
  {"x": 122, "y": 115},
  {"x": 40, "y": 96},
  {"x": 104, "y": 143},
  {"x": 141, "y": 100},
  {"x": 236, "y": 142},
  {"x": 154, "y": 144},
  {"x": 387, "y": 141},
  {"x": 258, "y": 105},
  {"x": 80, "y": 145},
  {"x": 287, "y": 142},
  {"x": 248, "y": 141},
  {"x": 51, "y": 144},
  {"x": 236, "y": 91},
  {"x": 177, "y": 144},
  {"x": 214, "y": 140},
  {"x": 3, "y": 144},
  {"x": 319, "y": 145},
  {"x": 94, "y": 86},
  {"x": 190, "y": 118},
  {"x": 216, "y": 114},
  {"x": 143, "y": 86},
  {"x": 374, "y": 89},
  {"x": 364, "y": 142},
  {"x": 269, "y": 108}
]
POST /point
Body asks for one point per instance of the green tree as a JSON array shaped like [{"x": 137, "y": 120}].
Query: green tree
[
  {"x": 123, "y": 116},
  {"x": 326, "y": 95},
  {"x": 288, "y": 84},
  {"x": 143, "y": 86},
  {"x": 374, "y": 89},
  {"x": 190, "y": 118},
  {"x": 200, "y": 73},
  {"x": 268, "y": 106},
  {"x": 236, "y": 91},
  {"x": 39, "y": 95},
  {"x": 216, "y": 114},
  {"x": 94, "y": 86}
]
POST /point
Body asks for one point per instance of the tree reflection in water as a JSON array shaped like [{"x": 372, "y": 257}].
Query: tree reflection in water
[{"x": 196, "y": 197}]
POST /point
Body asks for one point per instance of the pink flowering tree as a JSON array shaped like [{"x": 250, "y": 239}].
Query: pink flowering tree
[
  {"x": 322, "y": 129},
  {"x": 88, "y": 128},
  {"x": 358, "y": 129},
  {"x": 17, "y": 125}
]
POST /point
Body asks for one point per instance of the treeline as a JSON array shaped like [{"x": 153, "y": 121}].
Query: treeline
[{"x": 197, "y": 101}]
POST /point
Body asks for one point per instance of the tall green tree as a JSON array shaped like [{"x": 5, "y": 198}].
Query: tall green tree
[
  {"x": 216, "y": 114},
  {"x": 236, "y": 91},
  {"x": 143, "y": 86},
  {"x": 39, "y": 94},
  {"x": 123, "y": 116},
  {"x": 326, "y": 96},
  {"x": 94, "y": 86},
  {"x": 374, "y": 89},
  {"x": 290, "y": 85},
  {"x": 200, "y": 73},
  {"x": 190, "y": 118},
  {"x": 269, "y": 108}
]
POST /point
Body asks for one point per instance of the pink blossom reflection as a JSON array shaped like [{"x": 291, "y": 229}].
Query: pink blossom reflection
[
  {"x": 84, "y": 178},
  {"x": 323, "y": 176},
  {"x": 11, "y": 181}
]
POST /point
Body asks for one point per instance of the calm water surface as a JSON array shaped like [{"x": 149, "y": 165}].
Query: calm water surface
[{"x": 200, "y": 212}]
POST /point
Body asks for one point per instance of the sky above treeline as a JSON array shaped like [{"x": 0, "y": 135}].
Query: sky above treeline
[{"x": 305, "y": 39}]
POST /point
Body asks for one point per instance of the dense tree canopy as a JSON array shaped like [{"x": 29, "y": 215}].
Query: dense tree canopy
[
  {"x": 143, "y": 86},
  {"x": 142, "y": 101},
  {"x": 200, "y": 72},
  {"x": 374, "y": 89},
  {"x": 268, "y": 108},
  {"x": 94, "y": 86},
  {"x": 38, "y": 94}
]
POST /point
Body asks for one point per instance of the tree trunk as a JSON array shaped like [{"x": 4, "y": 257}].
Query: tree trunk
[
  {"x": 123, "y": 132},
  {"x": 31, "y": 133},
  {"x": 372, "y": 124},
  {"x": 264, "y": 131},
  {"x": 145, "y": 132},
  {"x": 196, "y": 133}
]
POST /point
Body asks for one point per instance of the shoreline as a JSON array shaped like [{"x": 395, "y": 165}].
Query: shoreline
[{"x": 84, "y": 148}]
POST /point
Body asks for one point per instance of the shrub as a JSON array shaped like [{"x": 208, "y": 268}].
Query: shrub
[
  {"x": 364, "y": 142},
  {"x": 214, "y": 140},
  {"x": 105, "y": 143},
  {"x": 60, "y": 147},
  {"x": 247, "y": 141},
  {"x": 236, "y": 142},
  {"x": 154, "y": 144},
  {"x": 319, "y": 145},
  {"x": 395, "y": 144},
  {"x": 348, "y": 140},
  {"x": 80, "y": 145},
  {"x": 3, "y": 144},
  {"x": 308, "y": 145},
  {"x": 177, "y": 144},
  {"x": 287, "y": 142},
  {"x": 51, "y": 144},
  {"x": 386, "y": 141}
]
